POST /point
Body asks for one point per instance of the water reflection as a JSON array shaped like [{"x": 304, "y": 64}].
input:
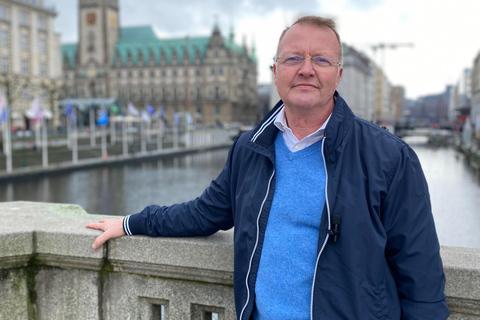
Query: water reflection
[
  {"x": 455, "y": 194},
  {"x": 125, "y": 189}
]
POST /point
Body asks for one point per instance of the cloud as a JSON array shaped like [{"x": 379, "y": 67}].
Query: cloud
[{"x": 183, "y": 17}]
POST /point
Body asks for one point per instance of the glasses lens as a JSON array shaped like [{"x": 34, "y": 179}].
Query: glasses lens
[
  {"x": 292, "y": 59},
  {"x": 322, "y": 61}
]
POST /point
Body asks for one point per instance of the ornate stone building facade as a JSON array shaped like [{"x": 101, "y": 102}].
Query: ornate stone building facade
[
  {"x": 30, "y": 63},
  {"x": 211, "y": 77}
]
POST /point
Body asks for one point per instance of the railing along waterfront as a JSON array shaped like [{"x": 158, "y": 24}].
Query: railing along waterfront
[
  {"x": 28, "y": 157},
  {"x": 49, "y": 271}
]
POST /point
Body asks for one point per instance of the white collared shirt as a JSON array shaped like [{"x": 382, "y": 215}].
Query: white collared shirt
[{"x": 290, "y": 140}]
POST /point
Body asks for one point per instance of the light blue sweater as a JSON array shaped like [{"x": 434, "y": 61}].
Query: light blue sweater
[{"x": 289, "y": 253}]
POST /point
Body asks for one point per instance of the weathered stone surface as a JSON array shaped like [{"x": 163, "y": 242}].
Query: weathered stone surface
[
  {"x": 14, "y": 298},
  {"x": 49, "y": 271},
  {"x": 67, "y": 294}
]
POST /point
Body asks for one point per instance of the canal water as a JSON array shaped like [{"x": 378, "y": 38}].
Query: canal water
[{"x": 125, "y": 189}]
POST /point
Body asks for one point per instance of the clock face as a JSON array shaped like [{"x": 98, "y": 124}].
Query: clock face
[{"x": 91, "y": 18}]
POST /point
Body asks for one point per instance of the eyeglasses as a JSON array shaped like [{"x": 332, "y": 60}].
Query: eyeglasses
[{"x": 297, "y": 59}]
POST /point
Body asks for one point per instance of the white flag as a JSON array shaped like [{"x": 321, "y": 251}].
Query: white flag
[
  {"x": 33, "y": 111},
  {"x": 145, "y": 116},
  {"x": 132, "y": 110}
]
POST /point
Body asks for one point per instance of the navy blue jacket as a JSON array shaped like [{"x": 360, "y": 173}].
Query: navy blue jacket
[{"x": 385, "y": 263}]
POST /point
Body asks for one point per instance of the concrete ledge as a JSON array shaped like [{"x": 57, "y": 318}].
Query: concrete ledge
[{"x": 49, "y": 271}]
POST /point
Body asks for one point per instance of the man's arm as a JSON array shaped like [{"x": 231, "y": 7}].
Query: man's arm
[
  {"x": 112, "y": 228},
  {"x": 413, "y": 250}
]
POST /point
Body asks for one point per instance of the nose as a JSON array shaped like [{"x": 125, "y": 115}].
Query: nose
[{"x": 306, "y": 69}]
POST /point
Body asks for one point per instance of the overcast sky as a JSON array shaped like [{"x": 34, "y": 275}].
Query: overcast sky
[{"x": 445, "y": 33}]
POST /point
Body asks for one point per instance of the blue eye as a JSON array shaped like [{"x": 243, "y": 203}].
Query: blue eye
[
  {"x": 321, "y": 60},
  {"x": 293, "y": 58}
]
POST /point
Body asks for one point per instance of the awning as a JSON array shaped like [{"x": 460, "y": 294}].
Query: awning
[{"x": 86, "y": 104}]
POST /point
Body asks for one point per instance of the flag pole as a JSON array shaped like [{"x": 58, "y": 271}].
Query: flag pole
[
  {"x": 8, "y": 140},
  {"x": 124, "y": 136},
  {"x": 143, "y": 136},
  {"x": 73, "y": 121},
  {"x": 104, "y": 142},
  {"x": 69, "y": 133},
  {"x": 159, "y": 134},
  {"x": 44, "y": 143},
  {"x": 92, "y": 127}
]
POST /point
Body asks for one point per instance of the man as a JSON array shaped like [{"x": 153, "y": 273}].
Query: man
[{"x": 332, "y": 214}]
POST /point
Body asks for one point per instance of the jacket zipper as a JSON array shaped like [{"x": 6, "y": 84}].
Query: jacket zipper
[
  {"x": 256, "y": 244},
  {"x": 328, "y": 221}
]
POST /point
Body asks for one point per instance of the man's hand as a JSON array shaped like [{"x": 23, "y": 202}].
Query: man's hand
[{"x": 112, "y": 228}]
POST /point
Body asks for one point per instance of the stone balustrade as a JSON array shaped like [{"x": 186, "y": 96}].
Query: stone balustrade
[{"x": 49, "y": 271}]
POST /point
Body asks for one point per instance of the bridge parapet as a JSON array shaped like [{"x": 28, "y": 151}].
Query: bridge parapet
[{"x": 49, "y": 271}]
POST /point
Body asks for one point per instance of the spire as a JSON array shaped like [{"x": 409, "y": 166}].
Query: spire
[
  {"x": 232, "y": 34},
  {"x": 216, "y": 29}
]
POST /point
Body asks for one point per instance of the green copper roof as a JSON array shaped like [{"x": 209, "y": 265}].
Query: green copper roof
[
  {"x": 137, "y": 33},
  {"x": 142, "y": 40},
  {"x": 69, "y": 51}
]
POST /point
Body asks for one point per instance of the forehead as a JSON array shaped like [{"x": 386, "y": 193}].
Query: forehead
[{"x": 308, "y": 38}]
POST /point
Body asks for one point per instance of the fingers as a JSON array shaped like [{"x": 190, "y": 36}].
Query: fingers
[
  {"x": 112, "y": 228},
  {"x": 100, "y": 240},
  {"x": 94, "y": 225}
]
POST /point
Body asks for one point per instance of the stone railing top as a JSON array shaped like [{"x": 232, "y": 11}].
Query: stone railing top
[{"x": 55, "y": 234}]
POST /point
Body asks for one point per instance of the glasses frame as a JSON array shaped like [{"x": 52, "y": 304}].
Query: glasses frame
[{"x": 332, "y": 63}]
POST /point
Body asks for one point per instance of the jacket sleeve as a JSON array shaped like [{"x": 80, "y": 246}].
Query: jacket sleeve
[
  {"x": 412, "y": 249},
  {"x": 205, "y": 215}
]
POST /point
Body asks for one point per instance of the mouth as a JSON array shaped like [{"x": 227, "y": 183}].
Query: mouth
[{"x": 305, "y": 85}]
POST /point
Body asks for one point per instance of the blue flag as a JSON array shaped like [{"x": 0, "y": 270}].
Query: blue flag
[
  {"x": 4, "y": 115},
  {"x": 102, "y": 118},
  {"x": 162, "y": 113},
  {"x": 68, "y": 109},
  {"x": 150, "y": 109}
]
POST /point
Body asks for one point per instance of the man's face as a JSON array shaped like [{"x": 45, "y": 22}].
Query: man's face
[{"x": 307, "y": 85}]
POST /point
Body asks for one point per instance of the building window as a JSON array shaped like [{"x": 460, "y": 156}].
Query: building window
[
  {"x": 3, "y": 38},
  {"x": 4, "y": 65},
  {"x": 3, "y": 12},
  {"x": 198, "y": 72},
  {"x": 129, "y": 74},
  {"x": 152, "y": 73},
  {"x": 24, "y": 41},
  {"x": 41, "y": 45},
  {"x": 212, "y": 71},
  {"x": 42, "y": 24},
  {"x": 26, "y": 94},
  {"x": 140, "y": 74},
  {"x": 164, "y": 73},
  {"x": 220, "y": 70},
  {"x": 23, "y": 18},
  {"x": 174, "y": 73},
  {"x": 217, "y": 109},
  {"x": 43, "y": 70},
  {"x": 24, "y": 66},
  {"x": 119, "y": 74}
]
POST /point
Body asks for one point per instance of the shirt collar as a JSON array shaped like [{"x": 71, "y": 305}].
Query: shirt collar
[{"x": 281, "y": 123}]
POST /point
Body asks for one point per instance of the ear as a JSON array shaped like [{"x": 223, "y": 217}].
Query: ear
[
  {"x": 275, "y": 73},
  {"x": 339, "y": 76}
]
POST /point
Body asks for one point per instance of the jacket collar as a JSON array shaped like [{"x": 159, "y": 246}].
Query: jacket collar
[{"x": 338, "y": 125}]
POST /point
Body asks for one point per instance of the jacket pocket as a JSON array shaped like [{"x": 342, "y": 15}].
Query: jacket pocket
[{"x": 381, "y": 305}]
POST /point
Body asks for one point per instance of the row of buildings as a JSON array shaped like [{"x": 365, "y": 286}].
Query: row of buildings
[{"x": 211, "y": 77}]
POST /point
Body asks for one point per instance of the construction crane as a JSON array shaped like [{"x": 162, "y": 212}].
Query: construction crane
[{"x": 383, "y": 46}]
